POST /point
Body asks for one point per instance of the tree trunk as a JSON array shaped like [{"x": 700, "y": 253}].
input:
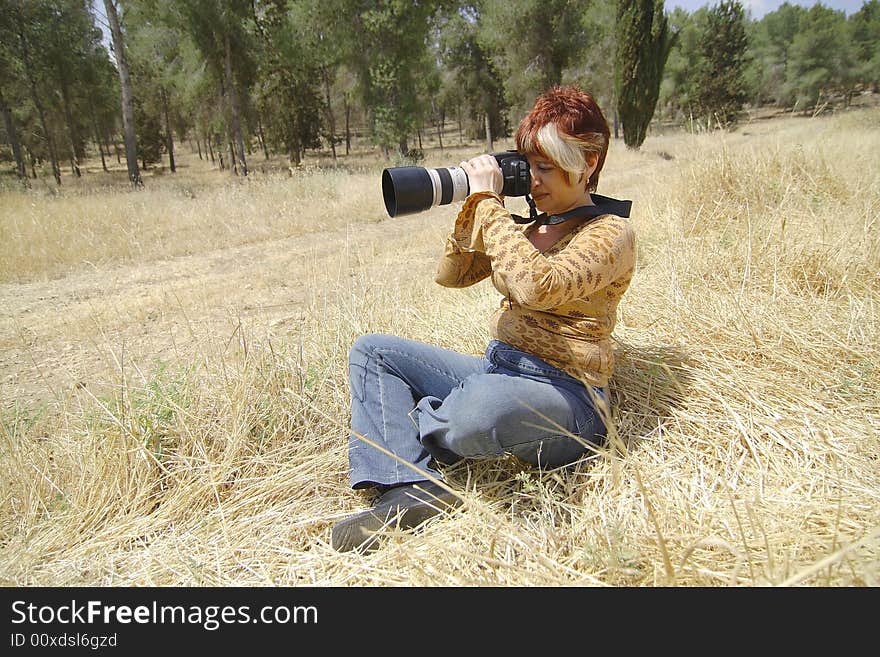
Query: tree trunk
[
  {"x": 331, "y": 120},
  {"x": 488, "y": 125},
  {"x": 97, "y": 135},
  {"x": 170, "y": 141},
  {"x": 460, "y": 137},
  {"x": 347, "y": 126},
  {"x": 419, "y": 135},
  {"x": 33, "y": 162},
  {"x": 199, "y": 146},
  {"x": 211, "y": 149},
  {"x": 402, "y": 147},
  {"x": 104, "y": 139},
  {"x": 72, "y": 137},
  {"x": 262, "y": 137},
  {"x": 235, "y": 112},
  {"x": 12, "y": 134},
  {"x": 440, "y": 122},
  {"x": 134, "y": 175}
]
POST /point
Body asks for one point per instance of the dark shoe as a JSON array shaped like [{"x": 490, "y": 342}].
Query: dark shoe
[{"x": 406, "y": 506}]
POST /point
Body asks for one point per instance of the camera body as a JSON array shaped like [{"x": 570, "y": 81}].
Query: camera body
[{"x": 408, "y": 190}]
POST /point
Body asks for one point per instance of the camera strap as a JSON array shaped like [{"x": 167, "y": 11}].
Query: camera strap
[{"x": 601, "y": 205}]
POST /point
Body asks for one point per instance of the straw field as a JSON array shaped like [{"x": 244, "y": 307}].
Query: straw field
[{"x": 175, "y": 396}]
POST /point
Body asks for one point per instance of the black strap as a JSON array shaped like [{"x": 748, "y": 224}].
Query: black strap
[{"x": 601, "y": 205}]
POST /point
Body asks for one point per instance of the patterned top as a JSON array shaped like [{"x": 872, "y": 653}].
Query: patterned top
[{"x": 560, "y": 305}]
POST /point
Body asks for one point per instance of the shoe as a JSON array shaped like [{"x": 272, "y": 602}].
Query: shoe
[{"x": 406, "y": 507}]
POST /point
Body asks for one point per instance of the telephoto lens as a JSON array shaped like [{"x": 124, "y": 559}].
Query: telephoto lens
[{"x": 408, "y": 190}]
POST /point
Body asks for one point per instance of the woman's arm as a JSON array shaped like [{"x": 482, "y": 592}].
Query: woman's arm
[
  {"x": 593, "y": 259},
  {"x": 461, "y": 265}
]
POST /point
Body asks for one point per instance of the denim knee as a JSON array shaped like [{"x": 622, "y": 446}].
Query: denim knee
[
  {"x": 465, "y": 423},
  {"x": 364, "y": 345},
  {"x": 359, "y": 355}
]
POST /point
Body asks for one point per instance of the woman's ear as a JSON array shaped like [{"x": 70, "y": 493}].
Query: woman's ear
[{"x": 592, "y": 161}]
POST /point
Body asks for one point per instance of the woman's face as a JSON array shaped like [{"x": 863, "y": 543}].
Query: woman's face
[{"x": 552, "y": 190}]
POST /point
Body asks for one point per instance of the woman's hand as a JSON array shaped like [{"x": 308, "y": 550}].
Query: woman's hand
[{"x": 484, "y": 174}]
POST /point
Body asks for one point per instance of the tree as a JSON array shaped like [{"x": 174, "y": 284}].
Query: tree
[
  {"x": 864, "y": 26},
  {"x": 643, "y": 48},
  {"x": 29, "y": 22},
  {"x": 679, "y": 87},
  {"x": 770, "y": 41},
  {"x": 820, "y": 57},
  {"x": 286, "y": 93},
  {"x": 12, "y": 137},
  {"x": 7, "y": 85},
  {"x": 100, "y": 95},
  {"x": 474, "y": 78},
  {"x": 219, "y": 29},
  {"x": 134, "y": 175},
  {"x": 593, "y": 68},
  {"x": 533, "y": 42},
  {"x": 68, "y": 40},
  {"x": 385, "y": 43},
  {"x": 159, "y": 68},
  {"x": 720, "y": 80}
]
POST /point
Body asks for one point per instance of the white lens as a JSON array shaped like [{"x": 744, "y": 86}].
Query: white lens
[
  {"x": 459, "y": 183},
  {"x": 436, "y": 185}
]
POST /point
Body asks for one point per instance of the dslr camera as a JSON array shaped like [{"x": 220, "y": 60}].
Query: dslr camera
[{"x": 414, "y": 189}]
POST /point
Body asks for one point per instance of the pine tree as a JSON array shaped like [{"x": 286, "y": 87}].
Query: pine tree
[
  {"x": 821, "y": 57},
  {"x": 865, "y": 31},
  {"x": 720, "y": 80},
  {"x": 642, "y": 50}
]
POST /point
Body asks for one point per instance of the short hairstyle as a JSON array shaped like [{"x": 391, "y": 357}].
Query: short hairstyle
[{"x": 566, "y": 126}]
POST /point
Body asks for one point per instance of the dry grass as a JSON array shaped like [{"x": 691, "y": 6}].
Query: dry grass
[{"x": 746, "y": 404}]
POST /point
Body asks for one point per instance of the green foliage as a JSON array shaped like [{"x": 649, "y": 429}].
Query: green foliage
[
  {"x": 390, "y": 38},
  {"x": 642, "y": 50},
  {"x": 593, "y": 66},
  {"x": 864, "y": 27},
  {"x": 679, "y": 87},
  {"x": 532, "y": 43},
  {"x": 288, "y": 70},
  {"x": 148, "y": 128},
  {"x": 820, "y": 57},
  {"x": 720, "y": 89},
  {"x": 474, "y": 79},
  {"x": 385, "y": 43},
  {"x": 53, "y": 77},
  {"x": 286, "y": 94}
]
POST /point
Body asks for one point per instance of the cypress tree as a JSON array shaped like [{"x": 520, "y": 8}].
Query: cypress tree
[{"x": 643, "y": 46}]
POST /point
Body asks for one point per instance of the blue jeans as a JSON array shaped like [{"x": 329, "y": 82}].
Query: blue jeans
[{"x": 426, "y": 404}]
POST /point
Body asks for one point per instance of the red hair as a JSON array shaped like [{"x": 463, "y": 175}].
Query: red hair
[{"x": 576, "y": 114}]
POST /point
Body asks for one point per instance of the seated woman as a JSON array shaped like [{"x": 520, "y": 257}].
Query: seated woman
[{"x": 540, "y": 391}]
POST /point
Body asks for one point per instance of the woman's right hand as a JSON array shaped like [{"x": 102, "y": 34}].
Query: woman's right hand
[{"x": 484, "y": 174}]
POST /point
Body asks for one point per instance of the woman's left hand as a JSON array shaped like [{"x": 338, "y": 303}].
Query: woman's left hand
[{"x": 484, "y": 174}]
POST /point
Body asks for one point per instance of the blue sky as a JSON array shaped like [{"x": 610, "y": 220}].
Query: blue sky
[{"x": 760, "y": 7}]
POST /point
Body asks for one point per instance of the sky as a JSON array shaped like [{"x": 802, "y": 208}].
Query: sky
[{"x": 759, "y": 8}]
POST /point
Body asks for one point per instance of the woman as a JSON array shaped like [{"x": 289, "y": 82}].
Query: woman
[{"x": 540, "y": 392}]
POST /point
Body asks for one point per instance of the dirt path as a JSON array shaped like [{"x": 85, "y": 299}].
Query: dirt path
[{"x": 83, "y": 329}]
